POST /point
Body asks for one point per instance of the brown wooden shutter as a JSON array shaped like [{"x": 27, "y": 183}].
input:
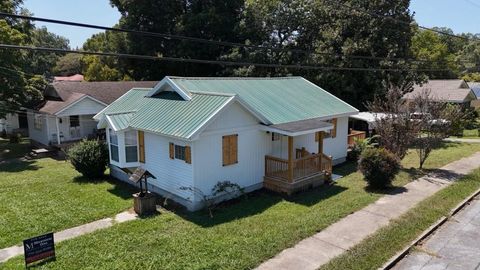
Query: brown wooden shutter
[
  {"x": 141, "y": 146},
  {"x": 188, "y": 155},
  {"x": 172, "y": 151},
  {"x": 334, "y": 130},
  {"x": 230, "y": 149}
]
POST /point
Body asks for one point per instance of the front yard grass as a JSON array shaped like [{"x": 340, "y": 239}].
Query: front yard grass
[
  {"x": 240, "y": 235},
  {"x": 45, "y": 195},
  {"x": 374, "y": 251}
]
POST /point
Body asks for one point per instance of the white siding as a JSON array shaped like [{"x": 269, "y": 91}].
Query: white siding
[
  {"x": 253, "y": 144},
  {"x": 83, "y": 107},
  {"x": 9, "y": 123},
  {"x": 335, "y": 147},
  {"x": 171, "y": 174},
  {"x": 38, "y": 135}
]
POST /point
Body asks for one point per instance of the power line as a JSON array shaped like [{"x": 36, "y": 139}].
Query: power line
[
  {"x": 204, "y": 41},
  {"x": 396, "y": 20},
  {"x": 213, "y": 62}
]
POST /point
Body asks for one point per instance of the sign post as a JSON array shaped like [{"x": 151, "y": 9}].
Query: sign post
[{"x": 39, "y": 248}]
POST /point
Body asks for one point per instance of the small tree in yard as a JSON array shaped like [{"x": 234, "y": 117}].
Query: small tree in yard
[
  {"x": 395, "y": 129},
  {"x": 378, "y": 166},
  {"x": 436, "y": 121},
  {"x": 89, "y": 157}
]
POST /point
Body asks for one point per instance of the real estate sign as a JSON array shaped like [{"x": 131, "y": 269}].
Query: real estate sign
[{"x": 39, "y": 248}]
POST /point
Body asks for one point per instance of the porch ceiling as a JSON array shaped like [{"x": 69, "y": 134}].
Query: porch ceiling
[{"x": 302, "y": 127}]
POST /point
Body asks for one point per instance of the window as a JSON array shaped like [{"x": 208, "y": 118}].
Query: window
[
  {"x": 74, "y": 121},
  {"x": 333, "y": 132},
  {"x": 113, "y": 145},
  {"x": 229, "y": 149},
  {"x": 275, "y": 136},
  {"x": 37, "y": 121},
  {"x": 181, "y": 152},
  {"x": 131, "y": 153}
]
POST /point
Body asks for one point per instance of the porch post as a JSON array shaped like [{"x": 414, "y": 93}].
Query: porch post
[
  {"x": 290, "y": 159},
  {"x": 320, "y": 142},
  {"x": 58, "y": 130}
]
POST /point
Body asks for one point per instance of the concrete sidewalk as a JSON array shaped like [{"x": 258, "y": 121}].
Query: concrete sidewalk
[
  {"x": 315, "y": 251},
  {"x": 10, "y": 252},
  {"x": 462, "y": 140},
  {"x": 454, "y": 245}
]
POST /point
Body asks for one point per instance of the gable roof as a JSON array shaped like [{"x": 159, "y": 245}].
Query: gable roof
[
  {"x": 278, "y": 100},
  {"x": 65, "y": 93},
  {"x": 443, "y": 90},
  {"x": 166, "y": 113},
  {"x": 187, "y": 105},
  {"x": 475, "y": 86}
]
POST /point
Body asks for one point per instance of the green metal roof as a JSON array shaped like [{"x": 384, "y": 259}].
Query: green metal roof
[
  {"x": 120, "y": 121},
  {"x": 166, "y": 113},
  {"x": 279, "y": 100}
]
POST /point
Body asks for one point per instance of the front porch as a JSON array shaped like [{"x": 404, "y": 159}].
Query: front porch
[{"x": 302, "y": 169}]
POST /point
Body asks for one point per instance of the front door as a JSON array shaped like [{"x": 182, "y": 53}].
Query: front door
[{"x": 75, "y": 127}]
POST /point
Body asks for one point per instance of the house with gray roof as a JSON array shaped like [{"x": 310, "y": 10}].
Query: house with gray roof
[
  {"x": 452, "y": 91},
  {"x": 190, "y": 134},
  {"x": 67, "y": 113},
  {"x": 475, "y": 86}
]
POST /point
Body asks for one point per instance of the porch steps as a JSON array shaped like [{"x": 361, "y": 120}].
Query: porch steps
[{"x": 39, "y": 153}]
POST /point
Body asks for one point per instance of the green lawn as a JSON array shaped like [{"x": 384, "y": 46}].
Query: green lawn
[
  {"x": 13, "y": 150},
  {"x": 240, "y": 235},
  {"x": 469, "y": 134},
  {"x": 47, "y": 195},
  {"x": 373, "y": 252}
]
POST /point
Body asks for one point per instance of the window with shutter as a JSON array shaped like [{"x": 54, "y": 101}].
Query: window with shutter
[
  {"x": 230, "y": 149},
  {"x": 181, "y": 152},
  {"x": 333, "y": 132},
  {"x": 141, "y": 146}
]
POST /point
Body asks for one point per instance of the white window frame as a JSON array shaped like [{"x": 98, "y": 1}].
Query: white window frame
[
  {"x": 113, "y": 134},
  {"x": 130, "y": 136}
]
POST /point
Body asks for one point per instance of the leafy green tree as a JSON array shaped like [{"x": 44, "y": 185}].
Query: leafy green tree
[
  {"x": 69, "y": 64},
  {"x": 41, "y": 62},
  {"x": 428, "y": 45}
]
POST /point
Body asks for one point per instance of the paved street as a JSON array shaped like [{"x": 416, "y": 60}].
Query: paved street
[{"x": 456, "y": 245}]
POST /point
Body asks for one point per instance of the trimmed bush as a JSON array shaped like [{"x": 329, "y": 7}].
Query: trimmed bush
[
  {"x": 15, "y": 138},
  {"x": 378, "y": 166},
  {"x": 89, "y": 157}
]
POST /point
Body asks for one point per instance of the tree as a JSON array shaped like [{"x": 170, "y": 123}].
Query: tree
[
  {"x": 428, "y": 45},
  {"x": 396, "y": 130},
  {"x": 43, "y": 63},
  {"x": 68, "y": 65}
]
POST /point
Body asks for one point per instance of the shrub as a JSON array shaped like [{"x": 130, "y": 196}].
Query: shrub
[
  {"x": 360, "y": 145},
  {"x": 378, "y": 166},
  {"x": 90, "y": 158}
]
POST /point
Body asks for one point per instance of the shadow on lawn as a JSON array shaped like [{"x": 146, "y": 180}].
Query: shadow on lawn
[
  {"x": 120, "y": 189},
  {"x": 256, "y": 203},
  {"x": 18, "y": 166}
]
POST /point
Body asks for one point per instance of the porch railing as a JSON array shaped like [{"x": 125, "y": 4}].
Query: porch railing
[
  {"x": 302, "y": 167},
  {"x": 355, "y": 135}
]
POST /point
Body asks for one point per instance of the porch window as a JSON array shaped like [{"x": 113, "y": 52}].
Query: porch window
[
  {"x": 113, "y": 138},
  {"x": 74, "y": 121},
  {"x": 131, "y": 153},
  {"x": 333, "y": 132},
  {"x": 37, "y": 121},
  {"x": 230, "y": 149}
]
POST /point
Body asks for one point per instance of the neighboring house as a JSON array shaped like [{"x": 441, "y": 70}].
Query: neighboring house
[
  {"x": 451, "y": 91},
  {"x": 67, "y": 114},
  {"x": 281, "y": 133},
  {"x": 14, "y": 123},
  {"x": 475, "y": 86},
  {"x": 73, "y": 78}
]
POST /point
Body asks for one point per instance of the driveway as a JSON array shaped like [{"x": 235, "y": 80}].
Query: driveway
[{"x": 456, "y": 245}]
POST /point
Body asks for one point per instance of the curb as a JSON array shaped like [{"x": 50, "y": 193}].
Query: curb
[{"x": 400, "y": 255}]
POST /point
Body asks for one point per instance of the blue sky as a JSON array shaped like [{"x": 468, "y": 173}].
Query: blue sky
[{"x": 460, "y": 15}]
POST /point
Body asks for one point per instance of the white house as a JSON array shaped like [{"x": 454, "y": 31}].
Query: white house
[
  {"x": 69, "y": 107},
  {"x": 280, "y": 133}
]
